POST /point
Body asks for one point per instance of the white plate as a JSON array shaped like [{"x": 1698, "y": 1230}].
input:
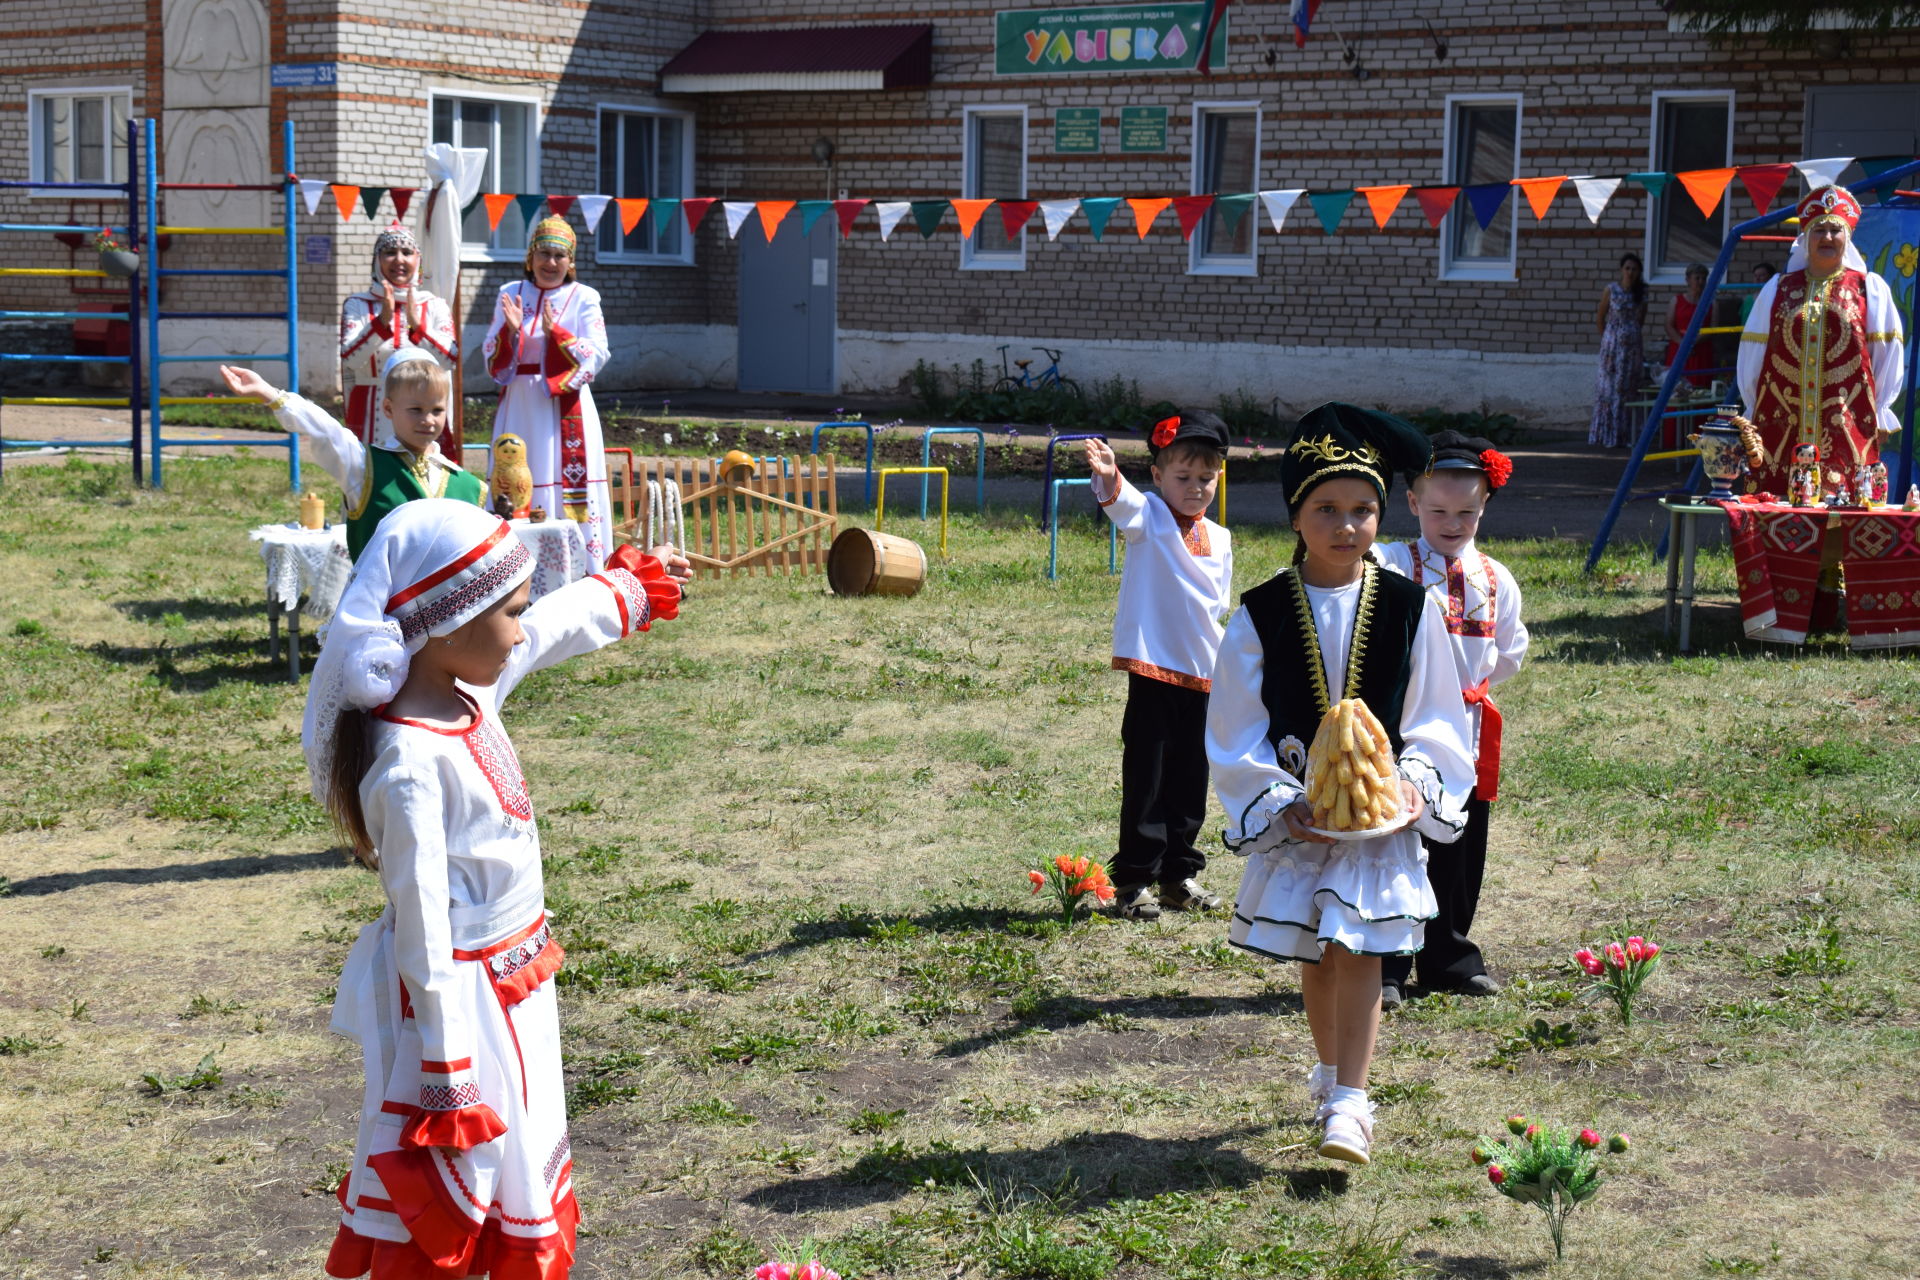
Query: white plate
[{"x": 1401, "y": 823}]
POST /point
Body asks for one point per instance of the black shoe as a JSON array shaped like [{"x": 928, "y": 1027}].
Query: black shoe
[
  {"x": 1390, "y": 997},
  {"x": 1479, "y": 985},
  {"x": 1187, "y": 895},
  {"x": 1136, "y": 902}
]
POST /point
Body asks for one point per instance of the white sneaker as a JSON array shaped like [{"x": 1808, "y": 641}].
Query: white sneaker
[
  {"x": 1348, "y": 1131},
  {"x": 1320, "y": 1082},
  {"x": 1188, "y": 895}
]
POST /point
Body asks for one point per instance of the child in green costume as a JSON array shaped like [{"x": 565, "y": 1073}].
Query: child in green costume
[{"x": 402, "y": 462}]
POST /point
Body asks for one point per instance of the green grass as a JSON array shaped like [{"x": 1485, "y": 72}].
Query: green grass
[{"x": 807, "y": 995}]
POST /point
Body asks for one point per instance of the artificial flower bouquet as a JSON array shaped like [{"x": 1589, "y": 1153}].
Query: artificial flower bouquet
[
  {"x": 1621, "y": 968},
  {"x": 1554, "y": 1170},
  {"x": 1072, "y": 879}
]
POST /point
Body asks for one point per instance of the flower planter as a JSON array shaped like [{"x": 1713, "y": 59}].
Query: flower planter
[{"x": 119, "y": 262}]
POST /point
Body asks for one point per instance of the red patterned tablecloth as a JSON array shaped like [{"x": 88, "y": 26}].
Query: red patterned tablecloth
[{"x": 1777, "y": 553}]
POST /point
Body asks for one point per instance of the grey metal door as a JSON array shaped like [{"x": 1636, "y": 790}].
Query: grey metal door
[{"x": 787, "y": 307}]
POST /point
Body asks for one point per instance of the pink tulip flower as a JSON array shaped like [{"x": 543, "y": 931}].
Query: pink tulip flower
[
  {"x": 1616, "y": 955},
  {"x": 1496, "y": 1175},
  {"x": 1481, "y": 1155},
  {"x": 773, "y": 1271},
  {"x": 1589, "y": 1139},
  {"x": 1636, "y": 949},
  {"x": 1533, "y": 1131},
  {"x": 1589, "y": 962},
  {"x": 1649, "y": 951}
]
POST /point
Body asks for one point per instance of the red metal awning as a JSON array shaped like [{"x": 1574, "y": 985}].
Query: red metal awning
[{"x": 802, "y": 59}]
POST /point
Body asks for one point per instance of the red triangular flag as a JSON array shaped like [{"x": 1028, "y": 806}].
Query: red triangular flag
[
  {"x": 846, "y": 211},
  {"x": 969, "y": 212},
  {"x": 1383, "y": 201},
  {"x": 560, "y": 205},
  {"x": 497, "y": 206},
  {"x": 1706, "y": 186},
  {"x": 1014, "y": 215},
  {"x": 771, "y": 211},
  {"x": 402, "y": 197},
  {"x": 696, "y": 210},
  {"x": 631, "y": 211},
  {"x": 1436, "y": 202},
  {"x": 1763, "y": 182},
  {"x": 1145, "y": 210},
  {"x": 346, "y": 197},
  {"x": 1540, "y": 193},
  {"x": 1190, "y": 210}
]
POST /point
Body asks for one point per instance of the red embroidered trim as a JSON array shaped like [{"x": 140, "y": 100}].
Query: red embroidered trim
[
  {"x": 439, "y": 576},
  {"x": 449, "y": 1097},
  {"x": 1193, "y": 532},
  {"x": 1165, "y": 675},
  {"x": 513, "y": 939},
  {"x": 1455, "y": 610},
  {"x": 492, "y": 751},
  {"x": 447, "y": 1068},
  {"x": 469, "y": 594}
]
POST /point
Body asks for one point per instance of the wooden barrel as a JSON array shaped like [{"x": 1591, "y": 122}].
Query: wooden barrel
[{"x": 862, "y": 562}]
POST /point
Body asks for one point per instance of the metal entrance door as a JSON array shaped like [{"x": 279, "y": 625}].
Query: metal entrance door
[{"x": 787, "y": 307}]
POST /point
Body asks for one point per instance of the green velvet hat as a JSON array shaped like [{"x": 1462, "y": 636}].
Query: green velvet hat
[{"x": 1337, "y": 440}]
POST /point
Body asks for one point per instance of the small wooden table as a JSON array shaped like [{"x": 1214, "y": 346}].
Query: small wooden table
[{"x": 1683, "y": 546}]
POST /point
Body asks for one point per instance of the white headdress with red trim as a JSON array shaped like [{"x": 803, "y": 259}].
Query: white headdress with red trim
[{"x": 432, "y": 566}]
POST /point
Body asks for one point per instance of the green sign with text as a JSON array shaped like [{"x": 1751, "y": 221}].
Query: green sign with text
[
  {"x": 1119, "y": 38},
  {"x": 1143, "y": 128},
  {"x": 1076, "y": 129}
]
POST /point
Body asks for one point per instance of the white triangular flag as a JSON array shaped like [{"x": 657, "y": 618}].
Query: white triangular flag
[
  {"x": 1594, "y": 195},
  {"x": 1823, "y": 172},
  {"x": 1056, "y": 213},
  {"x": 737, "y": 211},
  {"x": 1279, "y": 204},
  {"x": 891, "y": 211},
  {"x": 311, "y": 189},
  {"x": 591, "y": 208}
]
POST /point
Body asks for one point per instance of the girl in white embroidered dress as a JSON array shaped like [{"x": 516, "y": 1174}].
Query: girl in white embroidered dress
[{"x": 461, "y": 1166}]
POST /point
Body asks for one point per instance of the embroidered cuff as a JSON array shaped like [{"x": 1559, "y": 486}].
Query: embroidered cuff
[
  {"x": 640, "y": 583},
  {"x": 451, "y": 1112},
  {"x": 1441, "y": 820},
  {"x": 1261, "y": 817}
]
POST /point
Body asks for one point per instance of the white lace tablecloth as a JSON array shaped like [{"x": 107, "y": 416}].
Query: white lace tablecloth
[
  {"x": 305, "y": 562},
  {"x": 559, "y": 553}
]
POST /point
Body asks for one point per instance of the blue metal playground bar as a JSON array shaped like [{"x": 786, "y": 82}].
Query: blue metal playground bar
[
  {"x": 130, "y": 192},
  {"x": 289, "y": 274},
  {"x": 1677, "y": 370}
]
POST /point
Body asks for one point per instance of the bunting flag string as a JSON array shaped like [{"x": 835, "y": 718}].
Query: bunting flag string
[
  {"x": 664, "y": 211},
  {"x": 345, "y": 197},
  {"x": 1015, "y": 214},
  {"x": 1191, "y": 210},
  {"x": 696, "y": 209},
  {"x": 591, "y": 208},
  {"x": 370, "y": 198},
  {"x": 927, "y": 215},
  {"x": 1436, "y": 203},
  {"x": 969, "y": 213},
  {"x": 1763, "y": 182},
  {"x": 311, "y": 189},
  {"x": 1383, "y": 201},
  {"x": 530, "y": 205},
  {"x": 1145, "y": 211},
  {"x": 631, "y": 211},
  {"x": 1330, "y": 207},
  {"x": 1279, "y": 204},
  {"x": 559, "y": 204},
  {"x": 1231, "y": 209},
  {"x": 891, "y": 211},
  {"x": 811, "y": 211},
  {"x": 1823, "y": 172},
  {"x": 1655, "y": 183},
  {"x": 1055, "y": 214},
  {"x": 736, "y": 211},
  {"x": 1098, "y": 209},
  {"x": 1706, "y": 186},
  {"x": 1595, "y": 194},
  {"x": 497, "y": 203},
  {"x": 1540, "y": 193},
  {"x": 771, "y": 213},
  {"x": 846, "y": 211}
]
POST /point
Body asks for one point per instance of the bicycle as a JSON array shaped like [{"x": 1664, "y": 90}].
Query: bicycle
[{"x": 1048, "y": 379}]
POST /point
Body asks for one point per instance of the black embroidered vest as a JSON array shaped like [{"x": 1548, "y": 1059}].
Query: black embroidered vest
[{"x": 1378, "y": 655}]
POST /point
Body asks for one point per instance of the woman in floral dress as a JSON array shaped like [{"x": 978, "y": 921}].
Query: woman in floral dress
[{"x": 1622, "y": 312}]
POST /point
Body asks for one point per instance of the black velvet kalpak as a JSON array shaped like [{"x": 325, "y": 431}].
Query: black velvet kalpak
[{"x": 1343, "y": 440}]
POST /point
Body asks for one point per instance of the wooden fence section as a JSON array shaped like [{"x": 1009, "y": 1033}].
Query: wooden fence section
[{"x": 779, "y": 517}]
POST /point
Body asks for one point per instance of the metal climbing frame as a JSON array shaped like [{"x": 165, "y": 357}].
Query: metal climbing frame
[
  {"x": 1748, "y": 230},
  {"x": 289, "y": 275},
  {"x": 855, "y": 426},
  {"x": 130, "y": 192}
]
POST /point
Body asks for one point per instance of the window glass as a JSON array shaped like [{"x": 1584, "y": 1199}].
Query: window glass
[
  {"x": 501, "y": 129},
  {"x": 1485, "y": 142},
  {"x": 82, "y": 137},
  {"x": 1692, "y": 135},
  {"x": 997, "y": 171},
  {"x": 641, "y": 156},
  {"x": 1228, "y": 158}
]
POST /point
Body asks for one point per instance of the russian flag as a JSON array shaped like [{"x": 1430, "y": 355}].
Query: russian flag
[{"x": 1302, "y": 11}]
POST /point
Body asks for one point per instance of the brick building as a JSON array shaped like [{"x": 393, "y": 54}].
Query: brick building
[{"x": 675, "y": 98}]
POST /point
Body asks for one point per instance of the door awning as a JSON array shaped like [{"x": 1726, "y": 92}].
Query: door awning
[{"x": 801, "y": 60}]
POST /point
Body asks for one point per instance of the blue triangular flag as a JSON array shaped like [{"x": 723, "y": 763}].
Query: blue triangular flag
[
  {"x": 1330, "y": 206},
  {"x": 1486, "y": 199},
  {"x": 1877, "y": 165},
  {"x": 1098, "y": 210}
]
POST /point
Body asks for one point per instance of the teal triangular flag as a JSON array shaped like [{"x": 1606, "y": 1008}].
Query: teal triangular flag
[
  {"x": 1653, "y": 182},
  {"x": 370, "y": 198},
  {"x": 810, "y": 211},
  {"x": 1232, "y": 208},
  {"x": 530, "y": 205},
  {"x": 1330, "y": 206},
  {"x": 927, "y": 215},
  {"x": 1877, "y": 165},
  {"x": 1098, "y": 210},
  {"x": 664, "y": 213}
]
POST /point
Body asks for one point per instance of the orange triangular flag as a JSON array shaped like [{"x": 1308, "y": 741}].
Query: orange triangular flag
[
  {"x": 1146, "y": 210},
  {"x": 1436, "y": 203},
  {"x": 1540, "y": 193},
  {"x": 1383, "y": 201},
  {"x": 347, "y": 197},
  {"x": 969, "y": 212},
  {"x": 497, "y": 206},
  {"x": 1763, "y": 182},
  {"x": 631, "y": 211},
  {"x": 771, "y": 211},
  {"x": 1706, "y": 186}
]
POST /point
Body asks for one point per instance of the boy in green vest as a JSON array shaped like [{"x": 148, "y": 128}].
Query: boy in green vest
[{"x": 402, "y": 462}]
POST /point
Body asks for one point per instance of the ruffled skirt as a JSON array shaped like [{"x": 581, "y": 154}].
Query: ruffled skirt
[{"x": 1370, "y": 896}]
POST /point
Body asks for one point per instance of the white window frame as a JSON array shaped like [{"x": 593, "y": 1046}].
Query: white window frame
[
  {"x": 1668, "y": 274},
  {"x": 972, "y": 259},
  {"x": 36, "y": 150},
  {"x": 1450, "y": 269},
  {"x": 624, "y": 258},
  {"x": 1199, "y": 263},
  {"x": 470, "y": 251}
]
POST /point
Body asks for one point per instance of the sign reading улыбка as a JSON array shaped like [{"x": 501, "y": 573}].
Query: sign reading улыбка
[{"x": 1133, "y": 37}]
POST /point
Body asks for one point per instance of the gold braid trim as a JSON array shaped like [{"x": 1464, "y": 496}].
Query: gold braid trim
[
  {"x": 1356, "y": 641},
  {"x": 1355, "y": 468},
  {"x": 1362, "y": 628},
  {"x": 1310, "y": 636}
]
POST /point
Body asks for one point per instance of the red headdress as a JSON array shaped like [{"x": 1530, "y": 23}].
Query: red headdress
[{"x": 1830, "y": 202}]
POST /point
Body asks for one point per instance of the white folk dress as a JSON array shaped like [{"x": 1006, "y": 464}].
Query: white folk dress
[
  {"x": 539, "y": 382},
  {"x": 366, "y": 341},
  {"x": 1175, "y": 588},
  {"x": 462, "y": 1163},
  {"x": 1370, "y": 896}
]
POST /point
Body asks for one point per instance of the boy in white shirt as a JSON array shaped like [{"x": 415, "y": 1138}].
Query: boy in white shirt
[
  {"x": 1177, "y": 585},
  {"x": 1480, "y": 601}
]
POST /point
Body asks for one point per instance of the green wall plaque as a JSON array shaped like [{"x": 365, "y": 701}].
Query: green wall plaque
[
  {"x": 1143, "y": 128},
  {"x": 1076, "y": 129}
]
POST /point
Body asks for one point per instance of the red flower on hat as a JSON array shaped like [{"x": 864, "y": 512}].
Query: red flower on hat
[
  {"x": 1497, "y": 465},
  {"x": 1163, "y": 431}
]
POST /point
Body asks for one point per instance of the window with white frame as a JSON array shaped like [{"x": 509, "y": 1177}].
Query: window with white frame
[
  {"x": 1482, "y": 147},
  {"x": 995, "y": 169},
  {"x": 1226, "y": 161},
  {"x": 507, "y": 128},
  {"x": 645, "y": 154},
  {"x": 79, "y": 135},
  {"x": 1691, "y": 130}
]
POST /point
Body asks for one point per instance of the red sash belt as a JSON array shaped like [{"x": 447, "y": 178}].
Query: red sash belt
[
  {"x": 1486, "y": 766},
  {"x": 526, "y": 368}
]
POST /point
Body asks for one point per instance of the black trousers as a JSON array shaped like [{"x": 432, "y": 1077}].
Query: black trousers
[
  {"x": 1163, "y": 783},
  {"x": 1449, "y": 957}
]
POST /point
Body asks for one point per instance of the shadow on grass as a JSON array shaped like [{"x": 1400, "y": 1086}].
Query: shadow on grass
[
  {"x": 1473, "y": 1266},
  {"x": 180, "y": 872},
  {"x": 1061, "y": 1013},
  {"x": 192, "y": 610},
  {"x": 1586, "y": 637},
  {"x": 867, "y": 924},
  {"x": 1107, "y": 1167},
  {"x": 180, "y": 668}
]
